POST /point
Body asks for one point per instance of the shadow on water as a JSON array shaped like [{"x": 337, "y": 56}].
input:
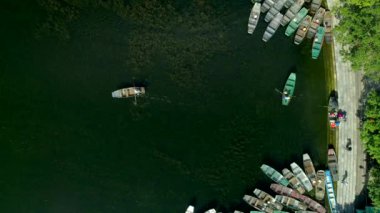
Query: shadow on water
[
  {"x": 333, "y": 94},
  {"x": 133, "y": 83}
]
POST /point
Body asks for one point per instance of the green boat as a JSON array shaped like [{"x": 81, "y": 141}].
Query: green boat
[
  {"x": 288, "y": 91},
  {"x": 295, "y": 22},
  {"x": 274, "y": 175},
  {"x": 318, "y": 42}
]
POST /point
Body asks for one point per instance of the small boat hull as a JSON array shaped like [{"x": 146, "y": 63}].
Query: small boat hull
[
  {"x": 292, "y": 12},
  {"x": 277, "y": 7},
  {"x": 272, "y": 27},
  {"x": 301, "y": 176},
  {"x": 316, "y": 22},
  {"x": 331, "y": 192},
  {"x": 318, "y": 43},
  {"x": 302, "y": 30},
  {"x": 128, "y": 92},
  {"x": 320, "y": 186},
  {"x": 315, "y": 5},
  {"x": 293, "y": 181},
  {"x": 332, "y": 163},
  {"x": 295, "y": 22},
  {"x": 254, "y": 17},
  {"x": 274, "y": 175},
  {"x": 268, "y": 199},
  {"x": 327, "y": 23},
  {"x": 309, "y": 168},
  {"x": 190, "y": 209},
  {"x": 288, "y": 91}
]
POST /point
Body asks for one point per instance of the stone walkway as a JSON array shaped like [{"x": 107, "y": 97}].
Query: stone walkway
[{"x": 349, "y": 87}]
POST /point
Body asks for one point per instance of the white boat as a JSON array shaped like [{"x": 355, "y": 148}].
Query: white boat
[
  {"x": 272, "y": 27},
  {"x": 277, "y": 7},
  {"x": 298, "y": 172},
  {"x": 292, "y": 12},
  {"x": 254, "y": 17},
  {"x": 267, "y": 5},
  {"x": 128, "y": 92},
  {"x": 190, "y": 209},
  {"x": 210, "y": 211}
]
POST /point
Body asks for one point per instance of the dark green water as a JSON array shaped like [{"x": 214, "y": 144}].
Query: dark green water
[{"x": 210, "y": 119}]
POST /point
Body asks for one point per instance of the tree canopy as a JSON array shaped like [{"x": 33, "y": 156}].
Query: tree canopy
[
  {"x": 371, "y": 127},
  {"x": 374, "y": 186},
  {"x": 370, "y": 136},
  {"x": 359, "y": 32}
]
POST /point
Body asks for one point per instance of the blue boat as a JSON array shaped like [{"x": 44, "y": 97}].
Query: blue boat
[{"x": 330, "y": 192}]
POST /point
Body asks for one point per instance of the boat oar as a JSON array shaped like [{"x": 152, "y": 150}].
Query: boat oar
[{"x": 277, "y": 90}]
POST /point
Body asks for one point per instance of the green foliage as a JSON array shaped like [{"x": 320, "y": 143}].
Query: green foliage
[
  {"x": 374, "y": 186},
  {"x": 370, "y": 134},
  {"x": 359, "y": 31},
  {"x": 362, "y": 3}
]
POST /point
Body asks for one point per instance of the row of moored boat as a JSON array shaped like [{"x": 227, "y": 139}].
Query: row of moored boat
[
  {"x": 301, "y": 21},
  {"x": 291, "y": 185}
]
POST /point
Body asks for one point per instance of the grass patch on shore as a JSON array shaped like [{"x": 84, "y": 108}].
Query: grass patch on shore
[{"x": 329, "y": 62}]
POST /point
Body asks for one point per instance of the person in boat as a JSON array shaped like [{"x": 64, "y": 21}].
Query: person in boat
[{"x": 286, "y": 95}]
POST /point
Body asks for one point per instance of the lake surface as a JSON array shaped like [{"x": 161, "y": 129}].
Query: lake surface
[{"x": 211, "y": 116}]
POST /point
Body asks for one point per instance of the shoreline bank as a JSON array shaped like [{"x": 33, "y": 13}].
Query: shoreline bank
[{"x": 349, "y": 86}]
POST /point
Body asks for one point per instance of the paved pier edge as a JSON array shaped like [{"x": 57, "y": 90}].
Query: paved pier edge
[{"x": 349, "y": 86}]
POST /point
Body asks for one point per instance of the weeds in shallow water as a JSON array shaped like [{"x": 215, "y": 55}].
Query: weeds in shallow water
[{"x": 183, "y": 38}]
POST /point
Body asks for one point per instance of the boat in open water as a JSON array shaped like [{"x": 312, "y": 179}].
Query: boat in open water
[
  {"x": 128, "y": 92},
  {"x": 309, "y": 168},
  {"x": 293, "y": 181},
  {"x": 210, "y": 211},
  {"x": 288, "y": 91},
  {"x": 320, "y": 186},
  {"x": 274, "y": 175},
  {"x": 330, "y": 192},
  {"x": 310, "y": 203},
  {"x": 257, "y": 204},
  {"x": 318, "y": 42},
  {"x": 254, "y": 17},
  {"x": 298, "y": 172},
  {"x": 302, "y": 30},
  {"x": 190, "y": 209},
  {"x": 332, "y": 163},
  {"x": 295, "y": 22},
  {"x": 290, "y": 203},
  {"x": 267, "y": 4},
  {"x": 268, "y": 199},
  {"x": 327, "y": 23},
  {"x": 277, "y": 7},
  {"x": 272, "y": 27},
  {"x": 316, "y": 22},
  {"x": 292, "y": 12},
  {"x": 315, "y": 5}
]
